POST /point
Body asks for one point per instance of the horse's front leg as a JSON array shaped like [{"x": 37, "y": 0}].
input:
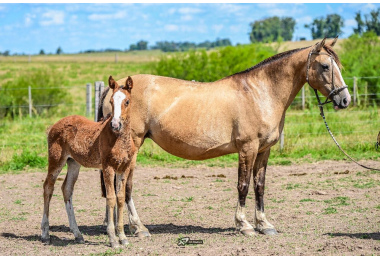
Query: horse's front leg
[
  {"x": 247, "y": 156},
  {"x": 109, "y": 175},
  {"x": 259, "y": 170},
  {"x": 135, "y": 225},
  {"x": 121, "y": 181}
]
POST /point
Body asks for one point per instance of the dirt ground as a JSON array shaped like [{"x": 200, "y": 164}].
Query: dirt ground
[{"x": 324, "y": 208}]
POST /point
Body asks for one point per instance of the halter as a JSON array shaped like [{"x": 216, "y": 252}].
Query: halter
[{"x": 333, "y": 91}]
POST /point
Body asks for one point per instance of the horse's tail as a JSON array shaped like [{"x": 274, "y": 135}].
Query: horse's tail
[
  {"x": 101, "y": 117},
  {"x": 100, "y": 106}
]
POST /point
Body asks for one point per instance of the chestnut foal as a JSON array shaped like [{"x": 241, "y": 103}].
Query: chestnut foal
[{"x": 106, "y": 145}]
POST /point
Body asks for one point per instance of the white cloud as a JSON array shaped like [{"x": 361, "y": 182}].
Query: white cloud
[
  {"x": 217, "y": 27},
  {"x": 171, "y": 27},
  {"x": 230, "y": 8},
  {"x": 350, "y": 22},
  {"x": 186, "y": 17},
  {"x": 189, "y": 10},
  {"x": 102, "y": 17},
  {"x": 28, "y": 21},
  {"x": 52, "y": 17},
  {"x": 304, "y": 20}
]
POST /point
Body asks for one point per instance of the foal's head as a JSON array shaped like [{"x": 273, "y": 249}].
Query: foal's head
[
  {"x": 120, "y": 102},
  {"x": 324, "y": 74}
]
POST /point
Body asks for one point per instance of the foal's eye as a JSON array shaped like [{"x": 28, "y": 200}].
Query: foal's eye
[
  {"x": 127, "y": 102},
  {"x": 325, "y": 67}
]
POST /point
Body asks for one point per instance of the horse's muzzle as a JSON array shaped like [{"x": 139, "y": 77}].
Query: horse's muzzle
[{"x": 115, "y": 124}]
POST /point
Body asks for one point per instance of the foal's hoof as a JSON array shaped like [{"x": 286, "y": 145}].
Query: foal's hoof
[
  {"x": 248, "y": 232},
  {"x": 269, "y": 232},
  {"x": 115, "y": 244},
  {"x": 143, "y": 234},
  {"x": 46, "y": 241},
  {"x": 79, "y": 240},
  {"x": 124, "y": 242}
]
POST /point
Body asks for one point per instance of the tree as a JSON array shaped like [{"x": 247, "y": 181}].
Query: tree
[
  {"x": 59, "y": 51},
  {"x": 42, "y": 52},
  {"x": 6, "y": 53},
  {"x": 371, "y": 23},
  {"x": 326, "y": 27},
  {"x": 142, "y": 45},
  {"x": 272, "y": 29}
]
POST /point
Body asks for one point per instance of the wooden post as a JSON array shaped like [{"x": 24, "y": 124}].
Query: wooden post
[
  {"x": 355, "y": 86},
  {"x": 365, "y": 94},
  {"x": 303, "y": 97},
  {"x": 30, "y": 100},
  {"x": 116, "y": 57},
  {"x": 282, "y": 139},
  {"x": 88, "y": 99},
  {"x": 30, "y": 58}
]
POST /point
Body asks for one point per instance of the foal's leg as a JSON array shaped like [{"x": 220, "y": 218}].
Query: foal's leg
[
  {"x": 135, "y": 225},
  {"x": 109, "y": 175},
  {"x": 259, "y": 170},
  {"x": 55, "y": 167},
  {"x": 121, "y": 181},
  {"x": 247, "y": 156},
  {"x": 67, "y": 190}
]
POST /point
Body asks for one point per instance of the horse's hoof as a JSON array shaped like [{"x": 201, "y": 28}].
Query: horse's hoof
[
  {"x": 46, "y": 241},
  {"x": 143, "y": 234},
  {"x": 115, "y": 244},
  {"x": 269, "y": 232},
  {"x": 124, "y": 242},
  {"x": 248, "y": 232},
  {"x": 79, "y": 240}
]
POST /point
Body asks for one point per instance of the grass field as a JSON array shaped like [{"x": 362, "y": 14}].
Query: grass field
[{"x": 23, "y": 140}]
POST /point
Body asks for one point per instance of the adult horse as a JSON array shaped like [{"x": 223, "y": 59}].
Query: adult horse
[{"x": 243, "y": 113}]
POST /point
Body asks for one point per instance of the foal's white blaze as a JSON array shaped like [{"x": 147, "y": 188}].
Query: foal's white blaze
[{"x": 118, "y": 98}]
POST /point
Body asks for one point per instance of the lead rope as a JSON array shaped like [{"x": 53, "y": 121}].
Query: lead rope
[{"x": 320, "y": 105}]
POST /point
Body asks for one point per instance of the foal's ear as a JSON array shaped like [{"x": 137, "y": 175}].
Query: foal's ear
[
  {"x": 111, "y": 82},
  {"x": 319, "y": 45},
  {"x": 334, "y": 41},
  {"x": 128, "y": 84}
]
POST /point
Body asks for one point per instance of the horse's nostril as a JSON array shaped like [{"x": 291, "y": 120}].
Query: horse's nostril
[{"x": 345, "y": 101}]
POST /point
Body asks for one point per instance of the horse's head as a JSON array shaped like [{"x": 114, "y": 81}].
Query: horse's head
[
  {"x": 120, "y": 102},
  {"x": 323, "y": 74}
]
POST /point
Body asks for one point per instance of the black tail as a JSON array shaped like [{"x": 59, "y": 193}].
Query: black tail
[{"x": 100, "y": 117}]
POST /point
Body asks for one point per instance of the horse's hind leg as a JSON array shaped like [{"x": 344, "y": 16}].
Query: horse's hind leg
[
  {"x": 67, "y": 190},
  {"x": 247, "y": 156},
  {"x": 259, "y": 170},
  {"x": 55, "y": 167}
]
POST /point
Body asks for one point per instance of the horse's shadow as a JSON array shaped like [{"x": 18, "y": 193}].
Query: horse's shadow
[
  {"x": 102, "y": 230},
  {"x": 372, "y": 236}
]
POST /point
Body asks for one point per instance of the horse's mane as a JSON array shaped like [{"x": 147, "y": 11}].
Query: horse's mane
[{"x": 285, "y": 54}]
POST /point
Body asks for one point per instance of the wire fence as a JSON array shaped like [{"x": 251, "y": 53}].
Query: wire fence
[{"x": 366, "y": 101}]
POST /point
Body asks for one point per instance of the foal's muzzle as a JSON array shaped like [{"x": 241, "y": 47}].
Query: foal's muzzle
[{"x": 115, "y": 124}]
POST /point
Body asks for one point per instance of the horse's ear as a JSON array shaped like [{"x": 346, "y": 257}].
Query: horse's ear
[
  {"x": 334, "y": 41},
  {"x": 319, "y": 45},
  {"x": 111, "y": 82},
  {"x": 128, "y": 84}
]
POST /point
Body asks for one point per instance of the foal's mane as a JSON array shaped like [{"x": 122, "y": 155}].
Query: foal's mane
[{"x": 285, "y": 54}]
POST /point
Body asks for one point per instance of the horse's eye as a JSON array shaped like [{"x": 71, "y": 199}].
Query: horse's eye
[
  {"x": 325, "y": 67},
  {"x": 127, "y": 102}
]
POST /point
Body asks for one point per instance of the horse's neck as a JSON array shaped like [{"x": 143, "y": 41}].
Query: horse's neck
[
  {"x": 284, "y": 78},
  {"x": 123, "y": 137}
]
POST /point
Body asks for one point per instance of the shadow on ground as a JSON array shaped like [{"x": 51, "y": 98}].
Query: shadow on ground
[{"x": 373, "y": 236}]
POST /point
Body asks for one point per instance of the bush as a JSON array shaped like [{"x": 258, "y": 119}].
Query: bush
[
  {"x": 210, "y": 66},
  {"x": 26, "y": 158},
  {"x": 14, "y": 93}
]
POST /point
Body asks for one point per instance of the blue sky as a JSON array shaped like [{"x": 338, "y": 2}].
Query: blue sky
[{"x": 28, "y": 28}]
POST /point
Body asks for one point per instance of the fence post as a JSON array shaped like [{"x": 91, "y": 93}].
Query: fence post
[
  {"x": 116, "y": 57},
  {"x": 282, "y": 137},
  {"x": 30, "y": 100},
  {"x": 355, "y": 90},
  {"x": 303, "y": 97},
  {"x": 88, "y": 99}
]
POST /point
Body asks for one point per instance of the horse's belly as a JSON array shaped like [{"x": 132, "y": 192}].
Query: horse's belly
[{"x": 192, "y": 146}]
